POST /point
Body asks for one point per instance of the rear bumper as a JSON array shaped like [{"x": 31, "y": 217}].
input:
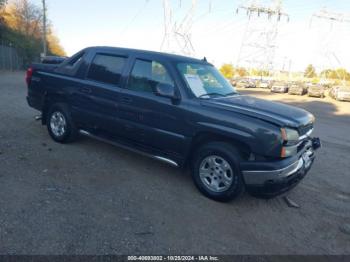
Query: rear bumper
[
  {"x": 344, "y": 99},
  {"x": 34, "y": 103},
  {"x": 274, "y": 178},
  {"x": 316, "y": 94},
  {"x": 273, "y": 90},
  {"x": 300, "y": 93}
]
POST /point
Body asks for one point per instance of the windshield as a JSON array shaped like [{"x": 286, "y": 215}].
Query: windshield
[{"x": 205, "y": 80}]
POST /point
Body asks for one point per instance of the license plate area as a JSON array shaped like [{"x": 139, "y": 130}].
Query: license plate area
[{"x": 308, "y": 157}]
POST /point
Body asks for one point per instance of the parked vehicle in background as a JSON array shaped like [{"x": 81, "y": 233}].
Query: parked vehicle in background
[
  {"x": 253, "y": 83},
  {"x": 265, "y": 84},
  {"x": 53, "y": 60},
  {"x": 233, "y": 81},
  {"x": 245, "y": 83},
  {"x": 340, "y": 93},
  {"x": 144, "y": 101},
  {"x": 297, "y": 89},
  {"x": 279, "y": 87},
  {"x": 316, "y": 91}
]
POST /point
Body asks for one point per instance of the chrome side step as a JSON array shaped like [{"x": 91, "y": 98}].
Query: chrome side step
[
  {"x": 38, "y": 117},
  {"x": 160, "y": 158}
]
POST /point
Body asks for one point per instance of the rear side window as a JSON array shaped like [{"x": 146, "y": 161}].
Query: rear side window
[
  {"x": 76, "y": 60},
  {"x": 146, "y": 75},
  {"x": 71, "y": 65},
  {"x": 107, "y": 69}
]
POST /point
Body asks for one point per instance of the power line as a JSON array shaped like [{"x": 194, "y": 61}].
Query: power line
[
  {"x": 326, "y": 21},
  {"x": 259, "y": 41},
  {"x": 178, "y": 34},
  {"x": 137, "y": 14}
]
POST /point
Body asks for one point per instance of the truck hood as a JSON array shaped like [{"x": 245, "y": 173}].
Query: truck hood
[{"x": 273, "y": 112}]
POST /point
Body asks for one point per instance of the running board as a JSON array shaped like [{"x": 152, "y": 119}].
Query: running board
[
  {"x": 160, "y": 158},
  {"x": 38, "y": 117}
]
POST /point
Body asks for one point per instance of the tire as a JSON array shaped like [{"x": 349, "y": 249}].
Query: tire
[
  {"x": 60, "y": 124},
  {"x": 223, "y": 155}
]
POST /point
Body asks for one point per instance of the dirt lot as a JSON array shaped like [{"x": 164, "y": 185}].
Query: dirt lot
[{"x": 92, "y": 198}]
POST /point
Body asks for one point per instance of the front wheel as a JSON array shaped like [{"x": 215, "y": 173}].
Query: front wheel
[
  {"x": 216, "y": 173},
  {"x": 60, "y": 124}
]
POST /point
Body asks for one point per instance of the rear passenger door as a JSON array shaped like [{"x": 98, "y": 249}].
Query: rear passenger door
[
  {"x": 102, "y": 86},
  {"x": 152, "y": 121}
]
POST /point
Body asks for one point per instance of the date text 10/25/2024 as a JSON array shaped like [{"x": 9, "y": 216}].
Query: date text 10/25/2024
[{"x": 173, "y": 258}]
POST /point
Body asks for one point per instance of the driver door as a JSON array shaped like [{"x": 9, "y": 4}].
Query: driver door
[{"x": 151, "y": 121}]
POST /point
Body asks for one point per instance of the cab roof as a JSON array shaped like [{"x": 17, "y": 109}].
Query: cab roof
[{"x": 156, "y": 55}]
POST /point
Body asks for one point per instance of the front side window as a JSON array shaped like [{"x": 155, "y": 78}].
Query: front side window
[
  {"x": 107, "y": 69},
  {"x": 146, "y": 75},
  {"x": 205, "y": 80}
]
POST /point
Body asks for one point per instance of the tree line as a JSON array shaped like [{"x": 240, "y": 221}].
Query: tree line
[
  {"x": 21, "y": 26},
  {"x": 230, "y": 71}
]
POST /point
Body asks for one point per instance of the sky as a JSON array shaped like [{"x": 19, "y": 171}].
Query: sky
[{"x": 217, "y": 30}]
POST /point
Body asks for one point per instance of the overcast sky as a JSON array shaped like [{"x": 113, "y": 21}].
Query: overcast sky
[{"x": 216, "y": 34}]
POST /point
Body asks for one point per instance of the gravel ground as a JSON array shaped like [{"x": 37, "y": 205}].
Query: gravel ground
[{"x": 92, "y": 198}]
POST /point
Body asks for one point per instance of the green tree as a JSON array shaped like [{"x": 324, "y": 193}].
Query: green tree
[
  {"x": 259, "y": 72},
  {"x": 2, "y": 3},
  {"x": 340, "y": 74},
  {"x": 2, "y": 14},
  {"x": 326, "y": 73},
  {"x": 227, "y": 70},
  {"x": 310, "y": 71},
  {"x": 21, "y": 27}
]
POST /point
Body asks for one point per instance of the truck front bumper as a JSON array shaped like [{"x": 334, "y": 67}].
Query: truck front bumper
[{"x": 273, "y": 178}]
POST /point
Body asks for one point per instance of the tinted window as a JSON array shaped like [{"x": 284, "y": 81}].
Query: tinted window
[
  {"x": 107, "y": 69},
  {"x": 70, "y": 66},
  {"x": 146, "y": 75},
  {"x": 75, "y": 60}
]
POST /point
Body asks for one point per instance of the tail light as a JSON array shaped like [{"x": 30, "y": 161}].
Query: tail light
[{"x": 29, "y": 75}]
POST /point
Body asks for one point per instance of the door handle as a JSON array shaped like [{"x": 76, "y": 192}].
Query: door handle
[
  {"x": 85, "y": 90},
  {"x": 127, "y": 100}
]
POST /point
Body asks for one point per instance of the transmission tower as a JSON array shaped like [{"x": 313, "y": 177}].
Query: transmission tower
[
  {"x": 327, "y": 23},
  {"x": 177, "y": 34},
  {"x": 259, "y": 40}
]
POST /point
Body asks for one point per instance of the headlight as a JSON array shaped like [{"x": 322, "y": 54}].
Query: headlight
[
  {"x": 290, "y": 139},
  {"x": 289, "y": 135},
  {"x": 289, "y": 151}
]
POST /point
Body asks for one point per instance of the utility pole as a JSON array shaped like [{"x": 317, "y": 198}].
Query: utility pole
[
  {"x": 259, "y": 41},
  {"x": 44, "y": 39},
  {"x": 178, "y": 34},
  {"x": 326, "y": 22}
]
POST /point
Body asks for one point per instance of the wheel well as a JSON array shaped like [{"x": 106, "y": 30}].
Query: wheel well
[
  {"x": 48, "y": 101},
  {"x": 206, "y": 137}
]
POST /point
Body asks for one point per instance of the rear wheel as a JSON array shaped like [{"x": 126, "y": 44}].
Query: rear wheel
[
  {"x": 216, "y": 173},
  {"x": 60, "y": 124}
]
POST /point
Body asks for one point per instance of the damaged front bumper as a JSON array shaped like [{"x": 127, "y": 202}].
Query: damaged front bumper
[{"x": 273, "y": 178}]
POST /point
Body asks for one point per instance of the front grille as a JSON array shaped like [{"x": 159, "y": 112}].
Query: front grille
[{"x": 304, "y": 129}]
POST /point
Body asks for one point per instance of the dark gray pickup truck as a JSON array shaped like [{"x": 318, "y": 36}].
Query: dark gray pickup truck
[{"x": 179, "y": 110}]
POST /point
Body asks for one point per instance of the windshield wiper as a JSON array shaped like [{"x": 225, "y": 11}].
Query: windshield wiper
[
  {"x": 211, "y": 94},
  {"x": 218, "y": 94},
  {"x": 231, "y": 93}
]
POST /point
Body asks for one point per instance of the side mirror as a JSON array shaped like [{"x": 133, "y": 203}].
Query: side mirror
[{"x": 165, "y": 90}]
